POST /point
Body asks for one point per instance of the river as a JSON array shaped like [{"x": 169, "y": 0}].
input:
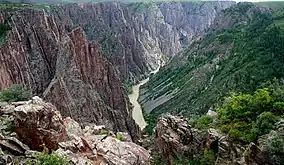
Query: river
[{"x": 133, "y": 98}]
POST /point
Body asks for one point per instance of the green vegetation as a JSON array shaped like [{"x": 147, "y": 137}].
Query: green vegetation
[
  {"x": 4, "y": 28},
  {"x": 208, "y": 158},
  {"x": 15, "y": 92},
  {"x": 274, "y": 5},
  {"x": 142, "y": 6},
  {"x": 151, "y": 122},
  {"x": 245, "y": 117},
  {"x": 205, "y": 122},
  {"x": 103, "y": 132},
  {"x": 128, "y": 87},
  {"x": 49, "y": 159},
  {"x": 17, "y": 6},
  {"x": 120, "y": 137},
  {"x": 238, "y": 58}
]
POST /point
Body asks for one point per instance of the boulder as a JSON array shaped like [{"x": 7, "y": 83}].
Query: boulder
[
  {"x": 13, "y": 145},
  {"x": 39, "y": 125},
  {"x": 213, "y": 136},
  {"x": 174, "y": 136},
  {"x": 211, "y": 113},
  {"x": 116, "y": 152},
  {"x": 254, "y": 156},
  {"x": 73, "y": 129}
]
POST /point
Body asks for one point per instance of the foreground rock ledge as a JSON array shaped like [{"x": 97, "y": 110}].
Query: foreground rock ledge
[
  {"x": 175, "y": 137},
  {"x": 39, "y": 126}
]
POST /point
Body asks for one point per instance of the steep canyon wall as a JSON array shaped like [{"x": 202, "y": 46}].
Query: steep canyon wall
[{"x": 77, "y": 55}]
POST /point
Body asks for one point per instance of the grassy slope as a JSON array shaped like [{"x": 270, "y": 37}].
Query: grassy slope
[{"x": 237, "y": 59}]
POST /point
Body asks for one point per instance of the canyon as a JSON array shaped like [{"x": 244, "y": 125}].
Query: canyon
[
  {"x": 142, "y": 83},
  {"x": 77, "y": 56}
]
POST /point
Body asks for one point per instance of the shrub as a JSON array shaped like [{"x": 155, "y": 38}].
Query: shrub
[
  {"x": 264, "y": 123},
  {"x": 103, "y": 132},
  {"x": 247, "y": 116},
  {"x": 151, "y": 122},
  {"x": 49, "y": 159},
  {"x": 15, "y": 92},
  {"x": 120, "y": 137},
  {"x": 204, "y": 122},
  {"x": 275, "y": 149},
  {"x": 207, "y": 158},
  {"x": 3, "y": 31},
  {"x": 279, "y": 107}
]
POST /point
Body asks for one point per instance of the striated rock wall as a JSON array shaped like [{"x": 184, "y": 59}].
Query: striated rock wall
[
  {"x": 65, "y": 69},
  {"x": 137, "y": 37},
  {"x": 48, "y": 51}
]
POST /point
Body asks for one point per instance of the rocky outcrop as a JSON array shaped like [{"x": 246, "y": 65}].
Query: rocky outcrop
[
  {"x": 87, "y": 97},
  {"x": 65, "y": 69},
  {"x": 39, "y": 126},
  {"x": 175, "y": 137}
]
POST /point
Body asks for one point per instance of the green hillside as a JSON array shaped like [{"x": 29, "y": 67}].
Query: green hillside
[{"x": 236, "y": 58}]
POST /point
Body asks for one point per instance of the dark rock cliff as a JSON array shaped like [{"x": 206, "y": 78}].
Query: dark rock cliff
[
  {"x": 48, "y": 51},
  {"x": 65, "y": 69},
  {"x": 137, "y": 37}
]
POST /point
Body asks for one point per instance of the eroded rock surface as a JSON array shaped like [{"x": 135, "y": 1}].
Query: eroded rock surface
[
  {"x": 63, "y": 67},
  {"x": 39, "y": 126},
  {"x": 174, "y": 137}
]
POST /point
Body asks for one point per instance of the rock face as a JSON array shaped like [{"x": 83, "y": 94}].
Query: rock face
[
  {"x": 48, "y": 52},
  {"x": 137, "y": 37},
  {"x": 175, "y": 137},
  {"x": 40, "y": 126},
  {"x": 65, "y": 69}
]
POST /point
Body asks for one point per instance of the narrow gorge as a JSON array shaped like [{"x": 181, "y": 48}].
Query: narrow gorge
[
  {"x": 137, "y": 112},
  {"x": 140, "y": 83},
  {"x": 77, "y": 55}
]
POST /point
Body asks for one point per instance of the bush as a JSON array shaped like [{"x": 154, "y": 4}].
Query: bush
[
  {"x": 120, "y": 137},
  {"x": 208, "y": 158},
  {"x": 103, "y": 132},
  {"x": 15, "y": 92},
  {"x": 49, "y": 159},
  {"x": 247, "y": 116},
  {"x": 3, "y": 31},
  {"x": 275, "y": 149},
  {"x": 263, "y": 125},
  {"x": 205, "y": 122},
  {"x": 151, "y": 122}
]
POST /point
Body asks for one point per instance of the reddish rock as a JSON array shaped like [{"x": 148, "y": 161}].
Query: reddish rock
[
  {"x": 65, "y": 69},
  {"x": 39, "y": 125}
]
